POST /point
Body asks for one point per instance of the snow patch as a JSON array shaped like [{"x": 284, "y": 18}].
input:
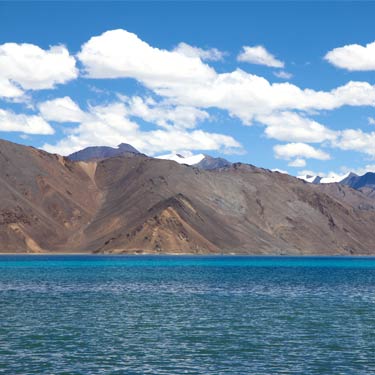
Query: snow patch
[
  {"x": 323, "y": 180},
  {"x": 183, "y": 158}
]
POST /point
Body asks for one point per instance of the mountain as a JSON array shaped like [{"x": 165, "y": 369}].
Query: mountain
[
  {"x": 141, "y": 204},
  {"x": 200, "y": 161},
  {"x": 323, "y": 180},
  {"x": 210, "y": 163},
  {"x": 312, "y": 179},
  {"x": 358, "y": 182},
  {"x": 365, "y": 183},
  {"x": 46, "y": 200},
  {"x": 103, "y": 152}
]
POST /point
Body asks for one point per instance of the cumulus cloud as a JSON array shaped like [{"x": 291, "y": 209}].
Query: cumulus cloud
[
  {"x": 247, "y": 95},
  {"x": 111, "y": 125},
  {"x": 212, "y": 54},
  {"x": 299, "y": 151},
  {"x": 187, "y": 81},
  {"x": 292, "y": 127},
  {"x": 119, "y": 53},
  {"x": 29, "y": 124},
  {"x": 9, "y": 89},
  {"x": 356, "y": 140},
  {"x": 259, "y": 55},
  {"x": 371, "y": 120},
  {"x": 29, "y": 67},
  {"x": 186, "y": 87},
  {"x": 353, "y": 57},
  {"x": 162, "y": 114},
  {"x": 61, "y": 110}
]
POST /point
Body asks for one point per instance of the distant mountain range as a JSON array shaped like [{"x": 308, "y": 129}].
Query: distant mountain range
[
  {"x": 104, "y": 152},
  {"x": 131, "y": 203},
  {"x": 322, "y": 180},
  {"x": 359, "y": 182},
  {"x": 365, "y": 183}
]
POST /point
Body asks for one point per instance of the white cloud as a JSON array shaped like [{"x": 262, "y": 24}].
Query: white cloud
[
  {"x": 212, "y": 54},
  {"x": 371, "y": 120},
  {"x": 299, "y": 151},
  {"x": 297, "y": 163},
  {"x": 353, "y": 57},
  {"x": 187, "y": 81},
  {"x": 119, "y": 53},
  {"x": 291, "y": 127},
  {"x": 283, "y": 74},
  {"x": 259, "y": 55},
  {"x": 356, "y": 140},
  {"x": 162, "y": 114},
  {"x": 28, "y": 67},
  {"x": 61, "y": 110},
  {"x": 188, "y": 86},
  {"x": 30, "y": 124},
  {"x": 9, "y": 89},
  {"x": 110, "y": 125},
  {"x": 246, "y": 95}
]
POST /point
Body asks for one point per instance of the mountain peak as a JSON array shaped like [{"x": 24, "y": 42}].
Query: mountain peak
[
  {"x": 357, "y": 182},
  {"x": 103, "y": 152},
  {"x": 128, "y": 148},
  {"x": 324, "y": 180}
]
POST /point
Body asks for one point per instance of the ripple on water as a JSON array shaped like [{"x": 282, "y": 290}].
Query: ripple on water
[{"x": 171, "y": 315}]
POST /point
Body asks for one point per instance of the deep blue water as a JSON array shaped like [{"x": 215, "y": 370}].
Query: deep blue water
[{"x": 94, "y": 315}]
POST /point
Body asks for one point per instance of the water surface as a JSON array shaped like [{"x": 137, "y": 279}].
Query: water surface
[{"x": 94, "y": 315}]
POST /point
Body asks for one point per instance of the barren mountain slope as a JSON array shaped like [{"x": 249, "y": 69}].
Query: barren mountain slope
[
  {"x": 140, "y": 204},
  {"x": 45, "y": 200},
  {"x": 156, "y": 205}
]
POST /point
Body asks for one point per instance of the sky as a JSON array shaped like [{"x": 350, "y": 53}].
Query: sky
[{"x": 286, "y": 86}]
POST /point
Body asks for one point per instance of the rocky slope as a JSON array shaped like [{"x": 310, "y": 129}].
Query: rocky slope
[
  {"x": 365, "y": 183},
  {"x": 46, "y": 200},
  {"x": 140, "y": 204}
]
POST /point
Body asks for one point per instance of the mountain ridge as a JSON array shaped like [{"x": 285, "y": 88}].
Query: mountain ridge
[
  {"x": 103, "y": 152},
  {"x": 146, "y": 205},
  {"x": 202, "y": 161}
]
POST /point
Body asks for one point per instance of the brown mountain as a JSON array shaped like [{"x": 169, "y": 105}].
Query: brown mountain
[{"x": 141, "y": 204}]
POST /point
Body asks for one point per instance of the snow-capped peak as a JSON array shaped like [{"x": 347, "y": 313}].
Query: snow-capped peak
[
  {"x": 183, "y": 157},
  {"x": 333, "y": 178},
  {"x": 324, "y": 180}
]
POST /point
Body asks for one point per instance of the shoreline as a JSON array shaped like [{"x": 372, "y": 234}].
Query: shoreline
[{"x": 191, "y": 255}]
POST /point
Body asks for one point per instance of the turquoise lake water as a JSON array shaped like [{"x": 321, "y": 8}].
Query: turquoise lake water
[{"x": 95, "y": 315}]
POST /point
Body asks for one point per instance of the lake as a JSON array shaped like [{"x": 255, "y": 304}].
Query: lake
[{"x": 95, "y": 315}]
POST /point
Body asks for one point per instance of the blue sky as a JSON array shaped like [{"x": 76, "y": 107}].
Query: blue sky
[{"x": 282, "y": 85}]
